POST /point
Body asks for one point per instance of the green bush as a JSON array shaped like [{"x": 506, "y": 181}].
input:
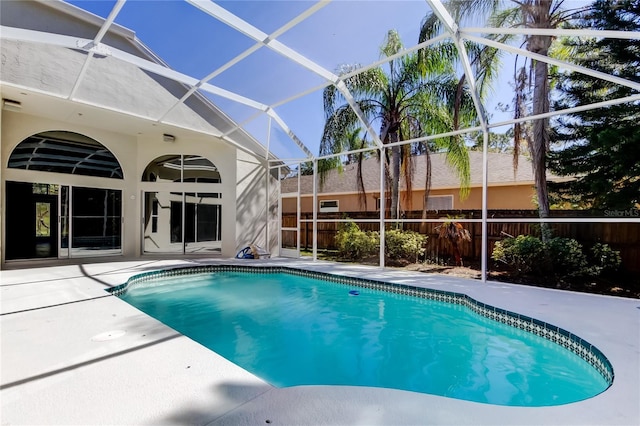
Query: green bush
[
  {"x": 605, "y": 259},
  {"x": 355, "y": 244},
  {"x": 523, "y": 252},
  {"x": 567, "y": 257},
  {"x": 563, "y": 257},
  {"x": 407, "y": 245}
]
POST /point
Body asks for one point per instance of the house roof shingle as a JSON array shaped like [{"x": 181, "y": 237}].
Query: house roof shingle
[{"x": 500, "y": 172}]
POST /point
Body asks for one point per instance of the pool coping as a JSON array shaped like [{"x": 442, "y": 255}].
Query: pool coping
[{"x": 226, "y": 394}]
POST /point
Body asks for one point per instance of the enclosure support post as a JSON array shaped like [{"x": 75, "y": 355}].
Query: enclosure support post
[
  {"x": 298, "y": 215},
  {"x": 315, "y": 209},
  {"x": 267, "y": 242},
  {"x": 485, "y": 171},
  {"x": 279, "y": 211},
  {"x": 383, "y": 205}
]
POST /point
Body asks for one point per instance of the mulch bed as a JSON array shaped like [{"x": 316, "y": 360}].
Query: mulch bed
[{"x": 622, "y": 284}]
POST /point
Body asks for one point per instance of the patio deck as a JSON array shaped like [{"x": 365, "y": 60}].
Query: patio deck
[{"x": 73, "y": 354}]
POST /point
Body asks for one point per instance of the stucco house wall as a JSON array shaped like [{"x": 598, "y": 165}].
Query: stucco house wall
[
  {"x": 18, "y": 126},
  {"x": 507, "y": 188},
  {"x": 120, "y": 105},
  {"x": 515, "y": 197},
  {"x": 218, "y": 152}
]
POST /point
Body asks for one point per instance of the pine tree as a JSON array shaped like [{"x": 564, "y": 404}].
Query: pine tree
[{"x": 601, "y": 146}]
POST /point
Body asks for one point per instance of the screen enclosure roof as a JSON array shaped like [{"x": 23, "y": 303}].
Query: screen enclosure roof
[{"x": 260, "y": 67}]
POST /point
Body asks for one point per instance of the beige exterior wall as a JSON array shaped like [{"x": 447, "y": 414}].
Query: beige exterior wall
[
  {"x": 243, "y": 177},
  {"x": 255, "y": 215},
  {"x": 508, "y": 197},
  {"x": 18, "y": 126},
  {"x": 219, "y": 153},
  {"x": 130, "y": 100},
  {"x": 513, "y": 197},
  {"x": 2, "y": 163}
]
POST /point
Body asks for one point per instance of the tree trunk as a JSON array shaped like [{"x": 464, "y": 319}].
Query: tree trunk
[
  {"x": 395, "y": 181},
  {"x": 456, "y": 253},
  {"x": 540, "y": 142},
  {"x": 540, "y": 17},
  {"x": 427, "y": 190}
]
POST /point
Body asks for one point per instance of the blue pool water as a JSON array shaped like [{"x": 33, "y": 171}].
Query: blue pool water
[{"x": 292, "y": 330}]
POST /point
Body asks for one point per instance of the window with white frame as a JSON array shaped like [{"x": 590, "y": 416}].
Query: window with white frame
[
  {"x": 177, "y": 220},
  {"x": 440, "y": 202},
  {"x": 329, "y": 206}
]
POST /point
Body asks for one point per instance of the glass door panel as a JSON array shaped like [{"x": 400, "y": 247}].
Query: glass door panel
[
  {"x": 162, "y": 224},
  {"x": 175, "y": 223},
  {"x": 63, "y": 250},
  {"x": 96, "y": 221},
  {"x": 203, "y": 223},
  {"x": 32, "y": 220},
  {"x": 173, "y": 226}
]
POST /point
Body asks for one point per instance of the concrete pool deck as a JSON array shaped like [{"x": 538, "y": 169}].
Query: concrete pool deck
[{"x": 72, "y": 354}]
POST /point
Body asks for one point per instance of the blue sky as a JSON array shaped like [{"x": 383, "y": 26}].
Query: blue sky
[{"x": 343, "y": 32}]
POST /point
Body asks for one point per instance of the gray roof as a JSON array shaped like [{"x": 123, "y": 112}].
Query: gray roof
[{"x": 500, "y": 166}]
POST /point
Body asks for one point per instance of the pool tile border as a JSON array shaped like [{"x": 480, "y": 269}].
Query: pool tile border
[{"x": 564, "y": 338}]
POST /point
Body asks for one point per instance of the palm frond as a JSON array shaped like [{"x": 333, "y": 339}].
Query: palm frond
[
  {"x": 506, "y": 18},
  {"x": 462, "y": 11}
]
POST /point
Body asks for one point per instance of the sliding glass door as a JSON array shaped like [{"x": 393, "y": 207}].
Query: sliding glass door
[
  {"x": 32, "y": 220},
  {"x": 178, "y": 222},
  {"x": 65, "y": 213},
  {"x": 58, "y": 221},
  {"x": 96, "y": 221}
]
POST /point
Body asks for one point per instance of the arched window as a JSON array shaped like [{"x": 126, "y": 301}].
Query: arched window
[
  {"x": 65, "y": 152},
  {"x": 182, "y": 220},
  {"x": 48, "y": 219},
  {"x": 181, "y": 168}
]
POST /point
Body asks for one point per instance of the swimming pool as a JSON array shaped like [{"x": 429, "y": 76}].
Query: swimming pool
[{"x": 291, "y": 328}]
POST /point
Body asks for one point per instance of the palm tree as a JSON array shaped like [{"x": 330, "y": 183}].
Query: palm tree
[
  {"x": 544, "y": 14},
  {"x": 454, "y": 234},
  {"x": 409, "y": 101},
  {"x": 350, "y": 141}
]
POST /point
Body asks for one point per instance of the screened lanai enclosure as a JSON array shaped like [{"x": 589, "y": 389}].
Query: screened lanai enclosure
[{"x": 197, "y": 127}]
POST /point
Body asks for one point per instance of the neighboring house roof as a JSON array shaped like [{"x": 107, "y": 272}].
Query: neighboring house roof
[
  {"x": 443, "y": 176},
  {"x": 47, "y": 64}
]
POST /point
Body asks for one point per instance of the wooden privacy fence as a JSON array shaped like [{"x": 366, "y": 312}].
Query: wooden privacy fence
[{"x": 624, "y": 236}]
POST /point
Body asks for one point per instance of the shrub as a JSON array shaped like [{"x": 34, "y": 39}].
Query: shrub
[
  {"x": 523, "y": 252},
  {"x": 605, "y": 259},
  {"x": 355, "y": 244},
  {"x": 404, "y": 244},
  {"x": 567, "y": 257},
  {"x": 564, "y": 257}
]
